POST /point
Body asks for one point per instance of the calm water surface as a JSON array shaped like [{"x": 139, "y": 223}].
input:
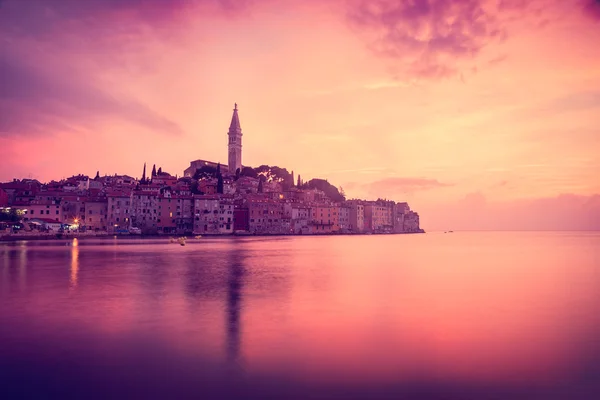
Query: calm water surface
[{"x": 433, "y": 316}]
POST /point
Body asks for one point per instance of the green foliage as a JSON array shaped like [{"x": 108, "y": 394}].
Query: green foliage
[
  {"x": 249, "y": 172},
  {"x": 330, "y": 190},
  {"x": 194, "y": 188},
  {"x": 276, "y": 174},
  {"x": 206, "y": 171},
  {"x": 220, "y": 184}
]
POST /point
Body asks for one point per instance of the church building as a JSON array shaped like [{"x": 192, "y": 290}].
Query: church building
[{"x": 234, "y": 148}]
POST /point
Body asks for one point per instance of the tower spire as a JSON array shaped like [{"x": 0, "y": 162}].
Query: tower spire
[
  {"x": 235, "y": 142},
  {"x": 235, "y": 126}
]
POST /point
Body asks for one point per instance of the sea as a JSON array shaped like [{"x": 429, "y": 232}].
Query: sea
[{"x": 462, "y": 315}]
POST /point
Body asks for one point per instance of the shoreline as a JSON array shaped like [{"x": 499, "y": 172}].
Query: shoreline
[{"x": 16, "y": 238}]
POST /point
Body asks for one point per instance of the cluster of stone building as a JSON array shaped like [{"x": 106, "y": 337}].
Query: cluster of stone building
[
  {"x": 229, "y": 204},
  {"x": 166, "y": 205}
]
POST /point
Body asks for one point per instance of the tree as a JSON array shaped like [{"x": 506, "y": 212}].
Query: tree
[
  {"x": 220, "y": 184},
  {"x": 237, "y": 174},
  {"x": 159, "y": 170},
  {"x": 329, "y": 190},
  {"x": 218, "y": 168},
  {"x": 260, "y": 184},
  {"x": 292, "y": 180},
  {"x": 154, "y": 171},
  {"x": 342, "y": 193},
  {"x": 249, "y": 172},
  {"x": 97, "y": 175},
  {"x": 206, "y": 171},
  {"x": 299, "y": 184},
  {"x": 144, "y": 175}
]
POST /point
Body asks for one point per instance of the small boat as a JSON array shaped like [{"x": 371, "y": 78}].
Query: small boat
[
  {"x": 171, "y": 240},
  {"x": 198, "y": 237},
  {"x": 181, "y": 241}
]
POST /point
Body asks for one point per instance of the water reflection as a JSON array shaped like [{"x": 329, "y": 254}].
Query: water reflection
[
  {"x": 22, "y": 266},
  {"x": 74, "y": 263},
  {"x": 234, "y": 300},
  {"x": 471, "y": 317}
]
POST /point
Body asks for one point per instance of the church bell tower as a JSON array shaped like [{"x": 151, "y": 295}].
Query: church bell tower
[{"x": 235, "y": 142}]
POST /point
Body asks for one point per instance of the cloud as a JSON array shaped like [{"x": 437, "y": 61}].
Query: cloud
[
  {"x": 564, "y": 212},
  {"x": 393, "y": 185},
  {"x": 591, "y": 9},
  {"x": 428, "y": 34},
  {"x": 35, "y": 18},
  {"x": 38, "y": 99}
]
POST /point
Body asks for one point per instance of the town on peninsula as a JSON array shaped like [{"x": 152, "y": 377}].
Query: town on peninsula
[{"x": 209, "y": 199}]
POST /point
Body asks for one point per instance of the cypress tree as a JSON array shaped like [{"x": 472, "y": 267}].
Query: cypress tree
[
  {"x": 154, "y": 170},
  {"x": 220, "y": 184},
  {"x": 260, "y": 185}
]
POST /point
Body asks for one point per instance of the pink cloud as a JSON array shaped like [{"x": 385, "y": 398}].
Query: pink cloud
[{"x": 566, "y": 212}]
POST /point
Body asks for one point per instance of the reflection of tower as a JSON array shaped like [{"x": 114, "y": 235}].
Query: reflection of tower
[
  {"x": 235, "y": 142},
  {"x": 234, "y": 299}
]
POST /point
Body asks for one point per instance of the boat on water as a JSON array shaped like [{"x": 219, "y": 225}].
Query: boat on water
[
  {"x": 181, "y": 240},
  {"x": 198, "y": 237}
]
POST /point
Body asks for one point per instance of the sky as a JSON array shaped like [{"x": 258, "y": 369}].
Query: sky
[{"x": 482, "y": 114}]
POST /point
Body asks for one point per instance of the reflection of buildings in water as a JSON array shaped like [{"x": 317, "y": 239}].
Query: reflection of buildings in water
[
  {"x": 236, "y": 271},
  {"x": 74, "y": 263},
  {"x": 4, "y": 281},
  {"x": 14, "y": 269},
  {"x": 154, "y": 279},
  {"x": 23, "y": 266}
]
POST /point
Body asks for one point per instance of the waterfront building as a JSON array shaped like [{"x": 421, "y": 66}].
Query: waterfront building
[
  {"x": 96, "y": 211},
  {"x": 344, "y": 218},
  {"x": 321, "y": 218},
  {"x": 240, "y": 218},
  {"x": 400, "y": 210},
  {"x": 357, "y": 216},
  {"x": 266, "y": 217},
  {"x": 144, "y": 208},
  {"x": 300, "y": 218},
  {"x": 411, "y": 222},
  {"x": 119, "y": 210},
  {"x": 213, "y": 214},
  {"x": 45, "y": 209}
]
